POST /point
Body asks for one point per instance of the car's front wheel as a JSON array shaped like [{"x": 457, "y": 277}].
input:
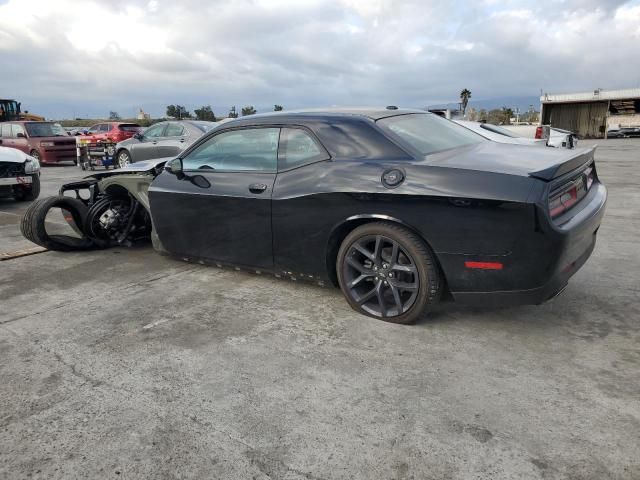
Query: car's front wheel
[
  {"x": 28, "y": 192},
  {"x": 123, "y": 158},
  {"x": 388, "y": 272}
]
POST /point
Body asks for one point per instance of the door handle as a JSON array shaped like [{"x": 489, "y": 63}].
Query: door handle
[
  {"x": 155, "y": 142},
  {"x": 182, "y": 140},
  {"x": 257, "y": 187}
]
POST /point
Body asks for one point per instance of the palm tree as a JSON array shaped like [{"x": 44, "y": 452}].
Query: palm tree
[{"x": 465, "y": 95}]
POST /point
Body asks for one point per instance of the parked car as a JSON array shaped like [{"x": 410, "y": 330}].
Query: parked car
[
  {"x": 76, "y": 131},
  {"x": 500, "y": 134},
  {"x": 46, "y": 141},
  {"x": 624, "y": 132},
  {"x": 19, "y": 174},
  {"x": 397, "y": 207},
  {"x": 556, "y": 137},
  {"x": 112, "y": 132},
  {"x": 163, "y": 139}
]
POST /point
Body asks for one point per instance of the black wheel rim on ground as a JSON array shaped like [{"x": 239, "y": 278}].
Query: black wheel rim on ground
[{"x": 380, "y": 276}]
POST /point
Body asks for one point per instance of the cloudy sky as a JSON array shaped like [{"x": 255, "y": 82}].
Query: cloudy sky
[{"x": 65, "y": 58}]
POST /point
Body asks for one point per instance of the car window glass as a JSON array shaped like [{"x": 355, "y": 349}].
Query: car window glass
[
  {"x": 105, "y": 128},
  {"x": 428, "y": 133},
  {"x": 248, "y": 149},
  {"x": 155, "y": 131},
  {"x": 16, "y": 129},
  {"x": 94, "y": 129},
  {"x": 6, "y": 130},
  {"x": 299, "y": 148},
  {"x": 174, "y": 130}
]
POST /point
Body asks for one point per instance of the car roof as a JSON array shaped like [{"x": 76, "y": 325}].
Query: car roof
[{"x": 372, "y": 113}]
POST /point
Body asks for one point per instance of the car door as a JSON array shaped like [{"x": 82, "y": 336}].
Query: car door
[
  {"x": 6, "y": 139},
  {"x": 173, "y": 140},
  {"x": 147, "y": 147},
  {"x": 19, "y": 138},
  {"x": 220, "y": 207},
  {"x": 94, "y": 133}
]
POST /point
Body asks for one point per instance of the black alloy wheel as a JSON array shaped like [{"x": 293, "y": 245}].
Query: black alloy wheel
[{"x": 388, "y": 272}]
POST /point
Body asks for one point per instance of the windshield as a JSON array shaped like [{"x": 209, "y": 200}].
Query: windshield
[
  {"x": 44, "y": 129},
  {"x": 428, "y": 133},
  {"x": 498, "y": 130}
]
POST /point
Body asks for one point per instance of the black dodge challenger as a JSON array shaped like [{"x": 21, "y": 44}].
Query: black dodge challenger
[{"x": 397, "y": 207}]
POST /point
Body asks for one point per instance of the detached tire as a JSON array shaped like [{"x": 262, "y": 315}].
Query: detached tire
[
  {"x": 33, "y": 226},
  {"x": 22, "y": 194},
  {"x": 387, "y": 272}
]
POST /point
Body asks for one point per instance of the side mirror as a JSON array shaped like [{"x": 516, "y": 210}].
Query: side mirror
[
  {"x": 138, "y": 136},
  {"x": 20, "y": 135},
  {"x": 175, "y": 167}
]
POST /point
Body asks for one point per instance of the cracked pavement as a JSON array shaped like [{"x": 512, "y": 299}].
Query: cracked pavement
[{"x": 127, "y": 364}]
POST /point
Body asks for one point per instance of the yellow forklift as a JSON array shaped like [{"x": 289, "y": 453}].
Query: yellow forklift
[{"x": 10, "y": 111}]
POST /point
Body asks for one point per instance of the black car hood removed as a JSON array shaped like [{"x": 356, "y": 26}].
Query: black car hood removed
[{"x": 523, "y": 160}]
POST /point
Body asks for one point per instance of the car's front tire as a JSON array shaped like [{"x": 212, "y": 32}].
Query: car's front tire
[
  {"x": 24, "y": 193},
  {"x": 388, "y": 272},
  {"x": 123, "y": 159}
]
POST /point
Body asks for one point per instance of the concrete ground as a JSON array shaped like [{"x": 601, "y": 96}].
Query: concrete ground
[{"x": 126, "y": 364}]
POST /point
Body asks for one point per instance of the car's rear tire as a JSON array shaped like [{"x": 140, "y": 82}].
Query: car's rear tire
[
  {"x": 23, "y": 193},
  {"x": 388, "y": 272},
  {"x": 123, "y": 159},
  {"x": 33, "y": 226}
]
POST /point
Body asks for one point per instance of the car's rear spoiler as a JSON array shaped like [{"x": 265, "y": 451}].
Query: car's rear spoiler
[{"x": 573, "y": 160}]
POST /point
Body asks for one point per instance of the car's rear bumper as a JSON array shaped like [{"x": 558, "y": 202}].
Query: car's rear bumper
[{"x": 575, "y": 242}]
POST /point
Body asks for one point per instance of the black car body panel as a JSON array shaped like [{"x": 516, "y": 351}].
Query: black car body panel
[{"x": 484, "y": 202}]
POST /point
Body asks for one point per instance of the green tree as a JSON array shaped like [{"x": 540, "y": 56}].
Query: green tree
[
  {"x": 507, "y": 113},
  {"x": 465, "y": 95},
  {"x": 482, "y": 115},
  {"x": 495, "y": 116},
  {"x": 233, "y": 113},
  {"x": 205, "y": 113},
  {"x": 277, "y": 108},
  {"x": 177, "y": 111},
  {"x": 114, "y": 116},
  {"x": 248, "y": 110}
]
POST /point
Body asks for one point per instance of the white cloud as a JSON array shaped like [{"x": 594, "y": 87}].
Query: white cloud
[{"x": 60, "y": 57}]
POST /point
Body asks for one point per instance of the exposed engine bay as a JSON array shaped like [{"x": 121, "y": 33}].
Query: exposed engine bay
[{"x": 104, "y": 210}]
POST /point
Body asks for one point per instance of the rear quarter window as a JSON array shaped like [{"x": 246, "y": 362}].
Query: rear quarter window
[{"x": 427, "y": 133}]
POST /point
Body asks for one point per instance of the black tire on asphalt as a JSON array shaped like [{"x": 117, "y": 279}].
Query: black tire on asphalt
[
  {"x": 24, "y": 194},
  {"x": 33, "y": 226},
  {"x": 429, "y": 274}
]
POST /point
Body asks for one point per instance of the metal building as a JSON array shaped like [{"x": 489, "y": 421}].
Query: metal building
[{"x": 591, "y": 114}]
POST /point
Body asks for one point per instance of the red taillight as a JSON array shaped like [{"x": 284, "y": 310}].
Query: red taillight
[
  {"x": 484, "y": 265},
  {"x": 565, "y": 197},
  {"x": 538, "y": 132}
]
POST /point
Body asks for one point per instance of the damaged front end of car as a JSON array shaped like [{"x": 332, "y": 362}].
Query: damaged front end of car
[{"x": 104, "y": 210}]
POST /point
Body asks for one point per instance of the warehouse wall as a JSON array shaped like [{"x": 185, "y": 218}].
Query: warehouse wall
[
  {"x": 588, "y": 120},
  {"x": 617, "y": 121}
]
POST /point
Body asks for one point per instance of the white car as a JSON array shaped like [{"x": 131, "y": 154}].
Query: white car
[
  {"x": 557, "y": 137},
  {"x": 19, "y": 174}
]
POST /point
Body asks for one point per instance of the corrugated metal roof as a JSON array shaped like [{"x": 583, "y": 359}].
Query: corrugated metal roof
[{"x": 592, "y": 96}]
